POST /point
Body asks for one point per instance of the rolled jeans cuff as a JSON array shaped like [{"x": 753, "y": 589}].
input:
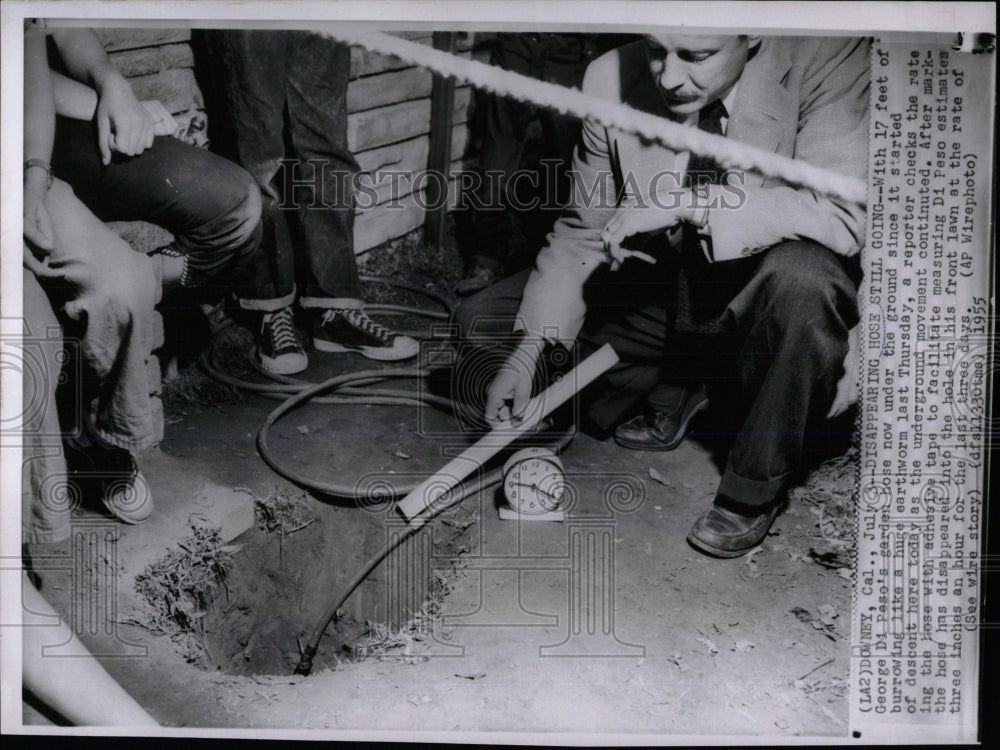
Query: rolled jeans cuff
[
  {"x": 128, "y": 437},
  {"x": 756, "y": 492},
  {"x": 271, "y": 304},
  {"x": 331, "y": 303}
]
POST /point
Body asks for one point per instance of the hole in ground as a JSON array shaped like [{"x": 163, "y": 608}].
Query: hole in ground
[
  {"x": 281, "y": 576},
  {"x": 276, "y": 589}
]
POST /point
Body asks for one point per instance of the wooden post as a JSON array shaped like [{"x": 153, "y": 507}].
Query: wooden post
[{"x": 439, "y": 156}]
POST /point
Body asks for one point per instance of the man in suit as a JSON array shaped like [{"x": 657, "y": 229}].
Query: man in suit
[{"x": 698, "y": 276}]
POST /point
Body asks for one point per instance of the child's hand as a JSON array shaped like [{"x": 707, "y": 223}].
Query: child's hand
[
  {"x": 37, "y": 222},
  {"x": 163, "y": 122},
  {"x": 123, "y": 124}
]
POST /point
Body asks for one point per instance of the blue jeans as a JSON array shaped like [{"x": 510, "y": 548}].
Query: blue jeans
[
  {"x": 778, "y": 341},
  {"x": 46, "y": 496},
  {"x": 209, "y": 204},
  {"x": 285, "y": 99},
  {"x": 105, "y": 292}
]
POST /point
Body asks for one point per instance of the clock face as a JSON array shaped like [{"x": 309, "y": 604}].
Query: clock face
[{"x": 534, "y": 485}]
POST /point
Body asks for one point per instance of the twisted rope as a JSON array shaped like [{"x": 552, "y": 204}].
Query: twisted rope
[{"x": 731, "y": 154}]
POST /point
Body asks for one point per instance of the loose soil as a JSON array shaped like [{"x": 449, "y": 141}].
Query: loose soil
[{"x": 607, "y": 623}]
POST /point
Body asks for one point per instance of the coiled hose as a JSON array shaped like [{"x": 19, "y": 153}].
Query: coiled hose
[{"x": 355, "y": 388}]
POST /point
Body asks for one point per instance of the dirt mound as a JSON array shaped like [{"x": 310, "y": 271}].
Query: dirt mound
[{"x": 250, "y": 607}]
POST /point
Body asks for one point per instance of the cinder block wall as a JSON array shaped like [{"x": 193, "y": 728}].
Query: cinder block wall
[{"x": 159, "y": 64}]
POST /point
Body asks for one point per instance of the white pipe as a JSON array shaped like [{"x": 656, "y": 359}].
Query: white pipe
[
  {"x": 78, "y": 688},
  {"x": 432, "y": 488}
]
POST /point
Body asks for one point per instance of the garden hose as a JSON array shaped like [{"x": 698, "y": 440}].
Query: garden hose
[
  {"x": 456, "y": 495},
  {"x": 355, "y": 388}
]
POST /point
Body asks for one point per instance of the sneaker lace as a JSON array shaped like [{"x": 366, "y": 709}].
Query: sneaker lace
[
  {"x": 282, "y": 328},
  {"x": 359, "y": 319}
]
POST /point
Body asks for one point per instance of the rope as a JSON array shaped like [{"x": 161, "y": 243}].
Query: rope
[{"x": 731, "y": 154}]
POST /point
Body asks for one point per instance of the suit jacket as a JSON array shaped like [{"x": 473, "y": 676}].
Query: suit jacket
[{"x": 805, "y": 98}]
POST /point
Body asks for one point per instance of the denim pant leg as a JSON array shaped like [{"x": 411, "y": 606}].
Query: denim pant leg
[
  {"x": 252, "y": 77},
  {"x": 792, "y": 318},
  {"x": 209, "y": 204},
  {"x": 46, "y": 495},
  {"x": 317, "y": 76},
  {"x": 107, "y": 292}
]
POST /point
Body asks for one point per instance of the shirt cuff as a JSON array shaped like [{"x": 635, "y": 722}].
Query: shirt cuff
[{"x": 699, "y": 220}]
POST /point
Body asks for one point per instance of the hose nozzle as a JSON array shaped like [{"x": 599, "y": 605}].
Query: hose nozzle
[{"x": 305, "y": 664}]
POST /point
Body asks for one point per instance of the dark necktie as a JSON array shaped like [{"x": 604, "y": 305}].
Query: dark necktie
[
  {"x": 698, "y": 303},
  {"x": 703, "y": 168}
]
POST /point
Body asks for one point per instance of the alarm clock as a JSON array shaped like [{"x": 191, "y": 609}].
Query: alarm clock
[{"x": 534, "y": 484}]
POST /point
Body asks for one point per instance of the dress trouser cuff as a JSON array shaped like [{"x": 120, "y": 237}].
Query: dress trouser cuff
[{"x": 751, "y": 491}]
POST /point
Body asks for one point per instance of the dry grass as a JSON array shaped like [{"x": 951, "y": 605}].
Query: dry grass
[
  {"x": 403, "y": 643},
  {"x": 409, "y": 259},
  {"x": 178, "y": 589},
  {"x": 281, "y": 513},
  {"x": 829, "y": 495}
]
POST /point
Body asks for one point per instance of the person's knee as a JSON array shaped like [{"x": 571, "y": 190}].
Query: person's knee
[
  {"x": 469, "y": 315},
  {"x": 463, "y": 316},
  {"x": 805, "y": 299},
  {"x": 799, "y": 277},
  {"x": 492, "y": 312},
  {"x": 476, "y": 319},
  {"x": 230, "y": 240},
  {"x": 244, "y": 216},
  {"x": 248, "y": 210},
  {"x": 248, "y": 231},
  {"x": 130, "y": 292}
]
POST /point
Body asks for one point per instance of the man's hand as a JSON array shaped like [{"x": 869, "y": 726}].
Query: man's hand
[
  {"x": 123, "y": 124},
  {"x": 632, "y": 219},
  {"x": 847, "y": 386},
  {"x": 509, "y": 393},
  {"x": 163, "y": 122}
]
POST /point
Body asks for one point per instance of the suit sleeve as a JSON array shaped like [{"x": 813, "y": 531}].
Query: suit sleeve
[
  {"x": 832, "y": 134},
  {"x": 552, "y": 305}
]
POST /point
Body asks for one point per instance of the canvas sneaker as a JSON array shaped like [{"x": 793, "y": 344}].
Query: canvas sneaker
[
  {"x": 351, "y": 330},
  {"x": 123, "y": 489},
  {"x": 278, "y": 349}
]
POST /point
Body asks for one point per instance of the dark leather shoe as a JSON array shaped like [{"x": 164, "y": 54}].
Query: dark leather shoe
[
  {"x": 660, "y": 431},
  {"x": 729, "y": 529}
]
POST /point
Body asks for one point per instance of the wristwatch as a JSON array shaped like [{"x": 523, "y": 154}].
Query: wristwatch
[{"x": 41, "y": 164}]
